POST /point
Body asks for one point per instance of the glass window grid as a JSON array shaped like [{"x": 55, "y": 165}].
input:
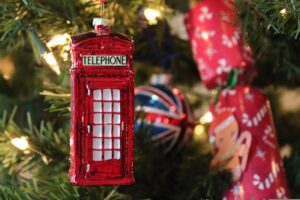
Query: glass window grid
[{"x": 115, "y": 153}]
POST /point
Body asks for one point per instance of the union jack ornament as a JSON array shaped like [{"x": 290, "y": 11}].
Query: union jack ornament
[{"x": 167, "y": 111}]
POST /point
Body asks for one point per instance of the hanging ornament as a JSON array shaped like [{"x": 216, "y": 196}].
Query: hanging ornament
[
  {"x": 216, "y": 42},
  {"x": 245, "y": 142},
  {"x": 165, "y": 110},
  {"x": 102, "y": 108}
]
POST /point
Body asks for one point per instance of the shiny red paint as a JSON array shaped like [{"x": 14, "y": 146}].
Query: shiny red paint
[
  {"x": 217, "y": 43},
  {"x": 264, "y": 175},
  {"x": 90, "y": 166}
]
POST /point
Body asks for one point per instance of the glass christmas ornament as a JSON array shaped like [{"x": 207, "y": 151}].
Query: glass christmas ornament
[
  {"x": 102, "y": 107},
  {"x": 167, "y": 111},
  {"x": 245, "y": 142}
]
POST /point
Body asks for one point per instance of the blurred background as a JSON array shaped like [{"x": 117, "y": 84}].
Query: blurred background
[{"x": 35, "y": 59}]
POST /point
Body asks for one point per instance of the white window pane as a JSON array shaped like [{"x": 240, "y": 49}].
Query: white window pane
[
  {"x": 117, "y": 131},
  {"x": 88, "y": 167},
  {"x": 108, "y": 143},
  {"x": 107, "y": 119},
  {"x": 97, "y": 107},
  {"x": 117, "y": 107},
  {"x": 97, "y": 95},
  {"x": 107, "y": 94},
  {"x": 98, "y": 118},
  {"x": 107, "y": 155},
  {"x": 117, "y": 119},
  {"x": 116, "y": 94},
  {"x": 97, "y": 131},
  {"x": 117, "y": 155},
  {"x": 108, "y": 107},
  {"x": 97, "y": 143},
  {"x": 97, "y": 155},
  {"x": 107, "y": 130},
  {"x": 117, "y": 143}
]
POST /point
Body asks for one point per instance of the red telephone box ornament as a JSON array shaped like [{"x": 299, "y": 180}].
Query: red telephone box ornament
[{"x": 102, "y": 108}]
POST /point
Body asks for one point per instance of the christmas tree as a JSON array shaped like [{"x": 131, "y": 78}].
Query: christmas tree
[{"x": 35, "y": 94}]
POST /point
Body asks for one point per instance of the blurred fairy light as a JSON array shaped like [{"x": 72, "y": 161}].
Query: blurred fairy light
[
  {"x": 206, "y": 118},
  {"x": 151, "y": 15},
  {"x": 50, "y": 59},
  {"x": 58, "y": 40},
  {"x": 67, "y": 48},
  {"x": 204, "y": 35},
  {"x": 286, "y": 151},
  {"x": 200, "y": 133},
  {"x": 283, "y": 12},
  {"x": 21, "y": 143},
  {"x": 65, "y": 56},
  {"x": 42, "y": 51},
  {"x": 7, "y": 67}
]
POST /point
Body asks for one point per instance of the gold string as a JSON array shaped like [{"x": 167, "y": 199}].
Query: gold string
[{"x": 102, "y": 10}]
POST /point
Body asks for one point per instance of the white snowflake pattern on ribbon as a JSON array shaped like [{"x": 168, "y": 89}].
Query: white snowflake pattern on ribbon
[
  {"x": 202, "y": 67},
  {"x": 210, "y": 51},
  {"x": 202, "y": 34},
  {"x": 255, "y": 121},
  {"x": 197, "y": 32},
  {"x": 231, "y": 41},
  {"x": 236, "y": 190},
  {"x": 268, "y": 136},
  {"x": 201, "y": 64},
  {"x": 223, "y": 67},
  {"x": 260, "y": 154},
  {"x": 257, "y": 182},
  {"x": 266, "y": 183},
  {"x": 205, "y": 14}
]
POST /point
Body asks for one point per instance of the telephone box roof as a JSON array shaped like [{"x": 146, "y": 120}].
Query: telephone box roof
[{"x": 79, "y": 39}]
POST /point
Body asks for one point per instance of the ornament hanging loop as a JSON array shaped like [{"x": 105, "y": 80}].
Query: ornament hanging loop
[
  {"x": 102, "y": 8},
  {"x": 101, "y": 25}
]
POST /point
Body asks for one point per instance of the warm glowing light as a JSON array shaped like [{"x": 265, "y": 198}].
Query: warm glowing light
[
  {"x": 286, "y": 151},
  {"x": 206, "y": 118},
  {"x": 175, "y": 91},
  {"x": 152, "y": 15},
  {"x": 65, "y": 56},
  {"x": 50, "y": 59},
  {"x": 21, "y": 143},
  {"x": 204, "y": 35},
  {"x": 67, "y": 48},
  {"x": 6, "y": 76},
  {"x": 7, "y": 67},
  {"x": 283, "y": 12},
  {"x": 199, "y": 133},
  {"x": 58, "y": 40}
]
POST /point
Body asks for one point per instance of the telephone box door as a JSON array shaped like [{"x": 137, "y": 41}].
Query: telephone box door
[{"x": 106, "y": 125}]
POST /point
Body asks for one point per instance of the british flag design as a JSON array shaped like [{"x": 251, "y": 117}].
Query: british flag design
[{"x": 167, "y": 111}]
